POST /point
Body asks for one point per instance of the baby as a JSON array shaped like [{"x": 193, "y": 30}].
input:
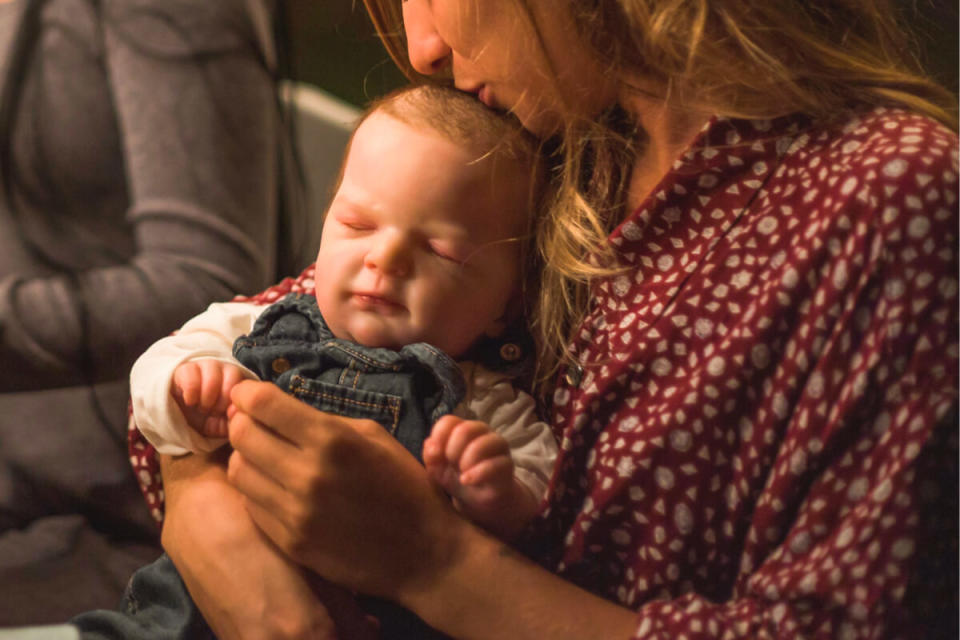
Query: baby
[{"x": 417, "y": 288}]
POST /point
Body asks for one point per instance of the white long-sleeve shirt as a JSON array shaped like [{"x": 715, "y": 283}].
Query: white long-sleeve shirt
[{"x": 490, "y": 396}]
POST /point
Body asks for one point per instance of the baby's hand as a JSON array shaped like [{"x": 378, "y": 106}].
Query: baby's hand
[
  {"x": 473, "y": 464},
  {"x": 201, "y": 388}
]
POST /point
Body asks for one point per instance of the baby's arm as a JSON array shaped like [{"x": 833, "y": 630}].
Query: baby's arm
[
  {"x": 201, "y": 388},
  {"x": 158, "y": 413},
  {"x": 473, "y": 464}
]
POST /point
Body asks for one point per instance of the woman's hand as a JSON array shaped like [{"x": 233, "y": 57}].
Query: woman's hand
[
  {"x": 343, "y": 497},
  {"x": 340, "y": 496},
  {"x": 239, "y": 580}
]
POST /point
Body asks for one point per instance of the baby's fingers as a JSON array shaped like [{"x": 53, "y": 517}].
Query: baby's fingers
[
  {"x": 434, "y": 447},
  {"x": 215, "y": 426},
  {"x": 484, "y": 447},
  {"x": 492, "y": 471},
  {"x": 463, "y": 435},
  {"x": 186, "y": 384},
  {"x": 212, "y": 383},
  {"x": 231, "y": 376}
]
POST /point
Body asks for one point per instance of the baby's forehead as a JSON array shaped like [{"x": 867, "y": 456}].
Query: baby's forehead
[
  {"x": 480, "y": 153},
  {"x": 475, "y": 129},
  {"x": 470, "y": 176}
]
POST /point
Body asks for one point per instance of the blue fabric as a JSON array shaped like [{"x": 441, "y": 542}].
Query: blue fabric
[
  {"x": 290, "y": 345},
  {"x": 156, "y": 606},
  {"x": 406, "y": 391}
]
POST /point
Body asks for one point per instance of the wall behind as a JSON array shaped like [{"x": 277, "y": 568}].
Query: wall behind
[
  {"x": 935, "y": 24},
  {"x": 334, "y": 46}
]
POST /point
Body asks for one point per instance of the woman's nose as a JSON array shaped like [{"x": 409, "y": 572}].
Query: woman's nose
[
  {"x": 390, "y": 255},
  {"x": 428, "y": 52}
]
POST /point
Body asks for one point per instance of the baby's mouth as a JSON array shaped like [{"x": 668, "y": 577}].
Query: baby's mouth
[{"x": 376, "y": 302}]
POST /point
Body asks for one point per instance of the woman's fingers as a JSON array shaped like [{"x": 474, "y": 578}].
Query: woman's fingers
[
  {"x": 295, "y": 420},
  {"x": 256, "y": 487},
  {"x": 262, "y": 448},
  {"x": 264, "y": 517},
  {"x": 337, "y": 495},
  {"x": 268, "y": 404}
]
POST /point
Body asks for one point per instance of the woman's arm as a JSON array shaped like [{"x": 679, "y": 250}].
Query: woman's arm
[
  {"x": 396, "y": 536},
  {"x": 342, "y": 497},
  {"x": 242, "y": 584},
  {"x": 488, "y": 590}
]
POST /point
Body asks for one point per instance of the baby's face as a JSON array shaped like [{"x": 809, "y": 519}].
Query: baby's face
[{"x": 413, "y": 243}]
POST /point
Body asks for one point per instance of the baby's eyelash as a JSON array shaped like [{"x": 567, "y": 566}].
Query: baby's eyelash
[
  {"x": 356, "y": 225},
  {"x": 440, "y": 253}
]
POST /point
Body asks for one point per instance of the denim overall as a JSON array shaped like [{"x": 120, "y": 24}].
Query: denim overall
[
  {"x": 405, "y": 391},
  {"x": 290, "y": 345}
]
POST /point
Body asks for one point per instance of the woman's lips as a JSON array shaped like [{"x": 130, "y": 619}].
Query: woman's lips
[{"x": 486, "y": 96}]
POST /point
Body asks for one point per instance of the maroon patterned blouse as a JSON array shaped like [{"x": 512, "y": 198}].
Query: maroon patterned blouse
[{"x": 761, "y": 439}]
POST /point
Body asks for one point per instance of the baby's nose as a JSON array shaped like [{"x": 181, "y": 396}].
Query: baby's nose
[{"x": 390, "y": 255}]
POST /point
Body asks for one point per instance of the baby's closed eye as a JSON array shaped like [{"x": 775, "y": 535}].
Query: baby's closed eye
[
  {"x": 355, "y": 222},
  {"x": 449, "y": 250}
]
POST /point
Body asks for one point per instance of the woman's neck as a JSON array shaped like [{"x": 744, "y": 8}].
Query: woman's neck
[{"x": 669, "y": 131}]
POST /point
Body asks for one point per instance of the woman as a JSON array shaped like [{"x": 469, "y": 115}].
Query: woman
[
  {"x": 751, "y": 313},
  {"x": 139, "y": 183}
]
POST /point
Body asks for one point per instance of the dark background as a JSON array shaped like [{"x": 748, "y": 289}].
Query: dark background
[{"x": 335, "y": 47}]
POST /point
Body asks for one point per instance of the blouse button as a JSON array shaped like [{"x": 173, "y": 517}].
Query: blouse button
[
  {"x": 574, "y": 375},
  {"x": 279, "y": 365}
]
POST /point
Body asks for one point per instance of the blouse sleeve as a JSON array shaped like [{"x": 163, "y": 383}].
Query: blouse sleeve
[
  {"x": 197, "y": 117},
  {"x": 871, "y": 530},
  {"x": 855, "y": 532}
]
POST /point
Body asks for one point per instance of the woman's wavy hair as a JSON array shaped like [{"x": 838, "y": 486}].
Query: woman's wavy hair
[{"x": 732, "y": 58}]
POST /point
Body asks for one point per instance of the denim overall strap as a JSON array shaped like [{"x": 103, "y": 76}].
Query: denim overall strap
[
  {"x": 405, "y": 391},
  {"x": 445, "y": 369}
]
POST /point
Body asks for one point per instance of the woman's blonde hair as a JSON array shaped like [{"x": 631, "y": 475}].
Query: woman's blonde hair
[{"x": 734, "y": 58}]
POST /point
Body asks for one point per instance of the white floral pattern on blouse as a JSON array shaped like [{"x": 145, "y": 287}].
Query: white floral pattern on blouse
[{"x": 761, "y": 439}]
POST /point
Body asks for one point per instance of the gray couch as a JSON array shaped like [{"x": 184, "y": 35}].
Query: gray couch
[{"x": 61, "y": 565}]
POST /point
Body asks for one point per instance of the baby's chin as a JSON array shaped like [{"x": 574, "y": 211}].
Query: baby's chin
[
  {"x": 375, "y": 336},
  {"x": 372, "y": 338}
]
